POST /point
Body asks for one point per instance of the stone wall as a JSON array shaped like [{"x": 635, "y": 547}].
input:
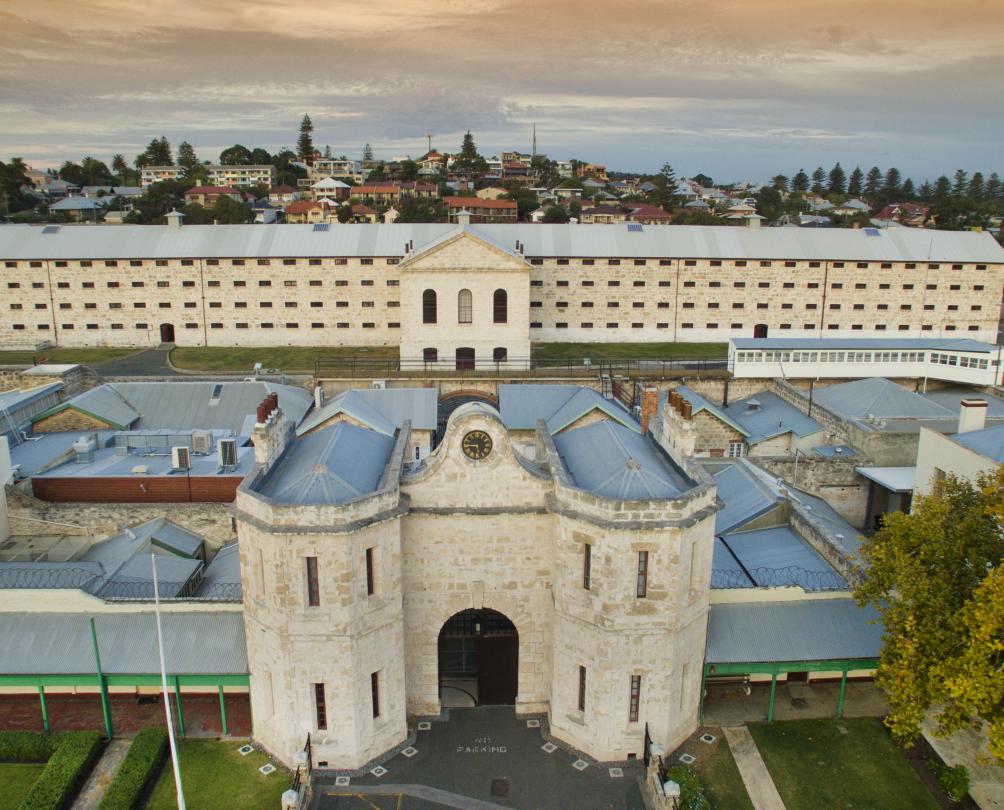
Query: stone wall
[
  {"x": 101, "y": 520},
  {"x": 833, "y": 480}
]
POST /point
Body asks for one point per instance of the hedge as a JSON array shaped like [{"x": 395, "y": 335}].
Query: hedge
[
  {"x": 26, "y": 746},
  {"x": 140, "y": 766},
  {"x": 691, "y": 791},
  {"x": 75, "y": 753}
]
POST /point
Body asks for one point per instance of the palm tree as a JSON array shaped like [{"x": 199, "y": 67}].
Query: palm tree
[{"x": 121, "y": 168}]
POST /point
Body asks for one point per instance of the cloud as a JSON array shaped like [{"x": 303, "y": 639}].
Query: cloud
[{"x": 718, "y": 85}]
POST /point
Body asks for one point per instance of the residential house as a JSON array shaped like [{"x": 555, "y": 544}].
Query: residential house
[
  {"x": 149, "y": 175},
  {"x": 595, "y": 170},
  {"x": 650, "y": 214},
  {"x": 432, "y": 164},
  {"x": 363, "y": 213},
  {"x": 94, "y": 192},
  {"x": 491, "y": 193},
  {"x": 496, "y": 211},
  {"x": 306, "y": 212},
  {"x": 602, "y": 215},
  {"x": 206, "y": 196},
  {"x": 331, "y": 188},
  {"x": 566, "y": 168},
  {"x": 851, "y": 208},
  {"x": 906, "y": 213},
  {"x": 337, "y": 168},
  {"x": 282, "y": 195},
  {"x": 79, "y": 209},
  {"x": 255, "y": 175}
]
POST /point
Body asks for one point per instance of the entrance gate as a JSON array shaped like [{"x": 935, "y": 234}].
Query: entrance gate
[{"x": 478, "y": 659}]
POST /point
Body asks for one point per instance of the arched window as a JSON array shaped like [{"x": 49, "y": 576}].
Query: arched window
[
  {"x": 430, "y": 355},
  {"x": 499, "y": 354},
  {"x": 429, "y": 306},
  {"x": 465, "y": 307},
  {"x": 500, "y": 306}
]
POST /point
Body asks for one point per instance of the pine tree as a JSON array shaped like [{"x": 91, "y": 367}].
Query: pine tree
[
  {"x": 993, "y": 187},
  {"x": 856, "y": 182},
  {"x": 926, "y": 190},
  {"x": 837, "y": 180},
  {"x": 873, "y": 181},
  {"x": 818, "y": 178},
  {"x": 961, "y": 182},
  {"x": 800, "y": 182},
  {"x": 977, "y": 188},
  {"x": 668, "y": 197},
  {"x": 892, "y": 182},
  {"x": 780, "y": 182},
  {"x": 367, "y": 153},
  {"x": 305, "y": 143},
  {"x": 186, "y": 158},
  {"x": 469, "y": 162},
  {"x": 942, "y": 188},
  {"x": 165, "y": 151},
  {"x": 908, "y": 192}
]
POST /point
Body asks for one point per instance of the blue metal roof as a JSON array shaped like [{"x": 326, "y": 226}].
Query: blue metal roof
[
  {"x": 331, "y": 466},
  {"x": 520, "y": 406},
  {"x": 198, "y": 643},
  {"x": 381, "y": 409},
  {"x": 726, "y": 572},
  {"x": 988, "y": 442},
  {"x": 222, "y": 577},
  {"x": 834, "y": 451},
  {"x": 879, "y": 397},
  {"x": 765, "y": 415},
  {"x": 608, "y": 459},
  {"x": 807, "y": 630},
  {"x": 700, "y": 403},
  {"x": 778, "y": 557},
  {"x": 744, "y": 496}
]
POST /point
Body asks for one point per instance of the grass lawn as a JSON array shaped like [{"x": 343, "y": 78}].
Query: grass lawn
[
  {"x": 815, "y": 766},
  {"x": 647, "y": 351},
  {"x": 215, "y": 776},
  {"x": 16, "y": 779},
  {"x": 286, "y": 358},
  {"x": 85, "y": 356},
  {"x": 721, "y": 780}
]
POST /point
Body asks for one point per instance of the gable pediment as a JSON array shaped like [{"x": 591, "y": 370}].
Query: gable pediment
[{"x": 465, "y": 251}]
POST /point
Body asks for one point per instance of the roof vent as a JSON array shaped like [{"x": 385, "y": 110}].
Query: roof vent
[
  {"x": 752, "y": 405},
  {"x": 838, "y": 450},
  {"x": 50, "y": 229},
  {"x": 321, "y": 227}
]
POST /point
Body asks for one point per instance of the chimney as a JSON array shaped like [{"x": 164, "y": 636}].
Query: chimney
[
  {"x": 271, "y": 434},
  {"x": 687, "y": 410},
  {"x": 318, "y": 396},
  {"x": 649, "y": 405},
  {"x": 972, "y": 415}
]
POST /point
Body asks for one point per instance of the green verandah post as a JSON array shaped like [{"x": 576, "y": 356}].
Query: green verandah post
[
  {"x": 102, "y": 684},
  {"x": 45, "y": 710},
  {"x": 223, "y": 712},
  {"x": 840, "y": 700},
  {"x": 177, "y": 699},
  {"x": 770, "y": 706}
]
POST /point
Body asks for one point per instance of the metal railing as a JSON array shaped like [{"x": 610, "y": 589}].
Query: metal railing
[
  {"x": 785, "y": 576},
  {"x": 371, "y": 367},
  {"x": 303, "y": 771}
]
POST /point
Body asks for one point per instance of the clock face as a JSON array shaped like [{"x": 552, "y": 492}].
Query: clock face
[{"x": 477, "y": 445}]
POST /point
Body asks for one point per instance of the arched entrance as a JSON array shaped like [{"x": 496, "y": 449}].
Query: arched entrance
[
  {"x": 760, "y": 330},
  {"x": 167, "y": 333},
  {"x": 478, "y": 659}
]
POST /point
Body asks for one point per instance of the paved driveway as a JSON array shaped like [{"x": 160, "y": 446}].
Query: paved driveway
[
  {"x": 479, "y": 759},
  {"x": 151, "y": 363}
]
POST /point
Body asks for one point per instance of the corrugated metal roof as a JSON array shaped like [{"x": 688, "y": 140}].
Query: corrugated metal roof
[
  {"x": 520, "y": 406},
  {"x": 134, "y": 578},
  {"x": 726, "y": 572},
  {"x": 178, "y": 405},
  {"x": 834, "y": 451},
  {"x": 951, "y": 400},
  {"x": 682, "y": 241},
  {"x": 112, "y": 552},
  {"x": 988, "y": 442},
  {"x": 879, "y": 397},
  {"x": 896, "y": 479},
  {"x": 13, "y": 400},
  {"x": 332, "y": 466},
  {"x": 809, "y": 630},
  {"x": 772, "y": 417},
  {"x": 700, "y": 403},
  {"x": 863, "y": 344},
  {"x": 610, "y": 460},
  {"x": 383, "y": 410},
  {"x": 744, "y": 496},
  {"x": 778, "y": 557},
  {"x": 223, "y": 574},
  {"x": 200, "y": 643}
]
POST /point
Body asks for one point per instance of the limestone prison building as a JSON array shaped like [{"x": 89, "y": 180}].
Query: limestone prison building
[{"x": 471, "y": 294}]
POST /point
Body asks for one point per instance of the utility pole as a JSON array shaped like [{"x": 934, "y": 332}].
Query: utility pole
[
  {"x": 428, "y": 137},
  {"x": 534, "y": 151}
]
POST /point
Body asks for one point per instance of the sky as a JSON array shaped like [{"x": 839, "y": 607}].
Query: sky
[{"x": 736, "y": 89}]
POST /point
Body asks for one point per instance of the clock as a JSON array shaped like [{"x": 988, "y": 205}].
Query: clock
[{"x": 477, "y": 445}]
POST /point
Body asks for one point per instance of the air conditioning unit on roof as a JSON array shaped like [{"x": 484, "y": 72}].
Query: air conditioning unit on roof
[
  {"x": 180, "y": 458},
  {"x": 202, "y": 442}
]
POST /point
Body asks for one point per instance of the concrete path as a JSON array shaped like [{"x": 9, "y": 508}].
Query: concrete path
[
  {"x": 756, "y": 777},
  {"x": 969, "y": 747},
  {"x": 97, "y": 783}
]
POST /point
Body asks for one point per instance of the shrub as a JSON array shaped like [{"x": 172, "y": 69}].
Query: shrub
[
  {"x": 25, "y": 746},
  {"x": 70, "y": 762},
  {"x": 140, "y": 766},
  {"x": 955, "y": 781},
  {"x": 691, "y": 791}
]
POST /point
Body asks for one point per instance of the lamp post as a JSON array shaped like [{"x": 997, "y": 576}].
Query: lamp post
[{"x": 163, "y": 681}]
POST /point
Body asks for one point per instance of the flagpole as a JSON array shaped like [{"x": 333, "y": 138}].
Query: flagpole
[{"x": 163, "y": 681}]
